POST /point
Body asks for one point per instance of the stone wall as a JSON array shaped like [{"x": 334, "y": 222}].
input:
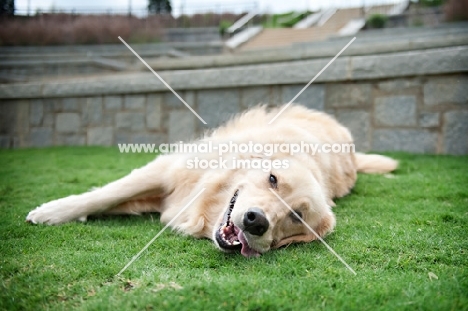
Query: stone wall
[
  {"x": 27, "y": 63},
  {"x": 202, "y": 34},
  {"x": 31, "y": 70},
  {"x": 414, "y": 102}
]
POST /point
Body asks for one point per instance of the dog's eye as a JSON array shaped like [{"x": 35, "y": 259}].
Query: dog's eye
[
  {"x": 273, "y": 181},
  {"x": 294, "y": 217}
]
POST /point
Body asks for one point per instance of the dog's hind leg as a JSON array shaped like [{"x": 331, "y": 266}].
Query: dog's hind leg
[{"x": 152, "y": 180}]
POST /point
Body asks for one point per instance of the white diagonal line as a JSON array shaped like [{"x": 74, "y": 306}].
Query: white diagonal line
[
  {"x": 161, "y": 79},
  {"x": 159, "y": 233},
  {"x": 313, "y": 79},
  {"x": 315, "y": 233}
]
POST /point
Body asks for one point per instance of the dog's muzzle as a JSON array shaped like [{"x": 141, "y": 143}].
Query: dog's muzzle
[
  {"x": 255, "y": 221},
  {"x": 230, "y": 237}
]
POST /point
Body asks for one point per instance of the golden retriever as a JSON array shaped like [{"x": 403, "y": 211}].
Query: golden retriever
[{"x": 243, "y": 207}]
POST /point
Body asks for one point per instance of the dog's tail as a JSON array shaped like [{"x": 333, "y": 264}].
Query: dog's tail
[{"x": 374, "y": 163}]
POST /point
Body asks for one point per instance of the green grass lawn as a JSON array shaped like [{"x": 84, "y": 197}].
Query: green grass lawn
[{"x": 405, "y": 236}]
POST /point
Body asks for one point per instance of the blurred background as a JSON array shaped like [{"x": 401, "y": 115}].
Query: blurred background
[
  {"x": 56, "y": 22},
  {"x": 67, "y": 79}
]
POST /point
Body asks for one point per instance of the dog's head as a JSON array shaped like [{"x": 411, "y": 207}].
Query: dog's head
[{"x": 256, "y": 219}]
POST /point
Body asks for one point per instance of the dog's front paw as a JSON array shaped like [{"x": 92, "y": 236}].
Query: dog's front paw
[{"x": 55, "y": 212}]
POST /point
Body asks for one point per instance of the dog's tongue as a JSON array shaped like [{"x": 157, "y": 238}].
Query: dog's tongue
[{"x": 246, "y": 250}]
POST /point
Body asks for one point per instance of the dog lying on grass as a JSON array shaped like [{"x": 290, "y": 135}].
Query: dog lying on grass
[{"x": 250, "y": 200}]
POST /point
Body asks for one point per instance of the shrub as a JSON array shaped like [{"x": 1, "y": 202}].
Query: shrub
[
  {"x": 61, "y": 28},
  {"x": 377, "y": 21},
  {"x": 294, "y": 20},
  {"x": 54, "y": 29},
  {"x": 223, "y": 27},
  {"x": 284, "y": 20},
  {"x": 432, "y": 2}
]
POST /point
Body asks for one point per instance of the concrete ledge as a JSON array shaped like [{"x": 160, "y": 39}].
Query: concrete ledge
[
  {"x": 324, "y": 49},
  {"x": 397, "y": 34},
  {"x": 107, "y": 50},
  {"x": 201, "y": 34},
  {"x": 99, "y": 61},
  {"x": 382, "y": 36},
  {"x": 351, "y": 68}
]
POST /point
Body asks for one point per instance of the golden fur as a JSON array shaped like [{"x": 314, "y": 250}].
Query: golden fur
[{"x": 308, "y": 185}]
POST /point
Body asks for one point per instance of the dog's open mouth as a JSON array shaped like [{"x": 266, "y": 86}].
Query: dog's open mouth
[{"x": 230, "y": 237}]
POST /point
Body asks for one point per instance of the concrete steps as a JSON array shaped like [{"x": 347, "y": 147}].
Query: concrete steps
[
  {"x": 286, "y": 36},
  {"x": 274, "y": 38},
  {"x": 281, "y": 37}
]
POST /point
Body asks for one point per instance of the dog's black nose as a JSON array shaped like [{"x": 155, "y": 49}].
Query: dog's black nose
[{"x": 255, "y": 221}]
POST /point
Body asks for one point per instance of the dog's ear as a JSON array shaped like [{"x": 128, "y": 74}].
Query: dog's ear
[{"x": 326, "y": 225}]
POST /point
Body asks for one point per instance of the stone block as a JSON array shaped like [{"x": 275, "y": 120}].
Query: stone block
[
  {"x": 72, "y": 104},
  {"x": 348, "y": 95},
  {"x": 358, "y": 122},
  {"x": 93, "y": 113},
  {"x": 189, "y": 97},
  {"x": 253, "y": 96},
  {"x": 275, "y": 95},
  {"x": 134, "y": 121},
  {"x": 156, "y": 98},
  {"x": 7, "y": 117},
  {"x": 395, "y": 111},
  {"x": 5, "y": 142},
  {"x": 67, "y": 122},
  {"x": 49, "y": 118},
  {"x": 70, "y": 140},
  {"x": 312, "y": 97},
  {"x": 113, "y": 103},
  {"x": 36, "y": 114},
  {"x": 408, "y": 140},
  {"x": 182, "y": 125},
  {"x": 100, "y": 136},
  {"x": 455, "y": 132},
  {"x": 149, "y": 138},
  {"x": 57, "y": 105},
  {"x": 447, "y": 90},
  {"x": 123, "y": 137},
  {"x": 52, "y": 105},
  {"x": 41, "y": 137},
  {"x": 16, "y": 142},
  {"x": 153, "y": 115},
  {"x": 172, "y": 101},
  {"x": 218, "y": 106},
  {"x": 395, "y": 85},
  {"x": 135, "y": 102},
  {"x": 429, "y": 119},
  {"x": 22, "y": 120}
]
